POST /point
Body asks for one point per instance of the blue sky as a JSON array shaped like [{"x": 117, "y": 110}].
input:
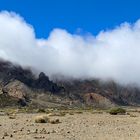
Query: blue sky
[{"x": 88, "y": 15}]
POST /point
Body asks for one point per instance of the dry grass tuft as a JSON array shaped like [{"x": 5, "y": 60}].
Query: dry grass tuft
[{"x": 42, "y": 119}]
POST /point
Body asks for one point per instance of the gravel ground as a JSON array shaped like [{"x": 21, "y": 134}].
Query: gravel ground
[{"x": 83, "y": 126}]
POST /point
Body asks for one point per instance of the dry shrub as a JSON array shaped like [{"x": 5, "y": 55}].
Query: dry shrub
[
  {"x": 54, "y": 121},
  {"x": 46, "y": 119},
  {"x": 42, "y": 119}
]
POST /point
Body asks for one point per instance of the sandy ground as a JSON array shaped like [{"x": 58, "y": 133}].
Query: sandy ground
[{"x": 85, "y": 126}]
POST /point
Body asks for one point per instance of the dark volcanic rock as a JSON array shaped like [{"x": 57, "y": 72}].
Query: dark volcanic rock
[
  {"x": 10, "y": 72},
  {"x": 19, "y": 85},
  {"x": 44, "y": 83}
]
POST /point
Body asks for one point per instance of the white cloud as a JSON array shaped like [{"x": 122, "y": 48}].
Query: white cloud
[{"x": 112, "y": 54}]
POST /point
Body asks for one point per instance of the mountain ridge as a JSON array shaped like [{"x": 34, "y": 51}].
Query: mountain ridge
[{"x": 27, "y": 89}]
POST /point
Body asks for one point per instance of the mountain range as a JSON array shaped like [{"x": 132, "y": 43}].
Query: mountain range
[{"x": 21, "y": 87}]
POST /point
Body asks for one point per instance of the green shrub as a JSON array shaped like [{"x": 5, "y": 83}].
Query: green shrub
[{"x": 115, "y": 111}]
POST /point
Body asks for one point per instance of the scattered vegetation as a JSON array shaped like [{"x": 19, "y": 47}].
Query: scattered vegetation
[
  {"x": 115, "y": 111},
  {"x": 46, "y": 119},
  {"x": 57, "y": 114},
  {"x": 11, "y": 111},
  {"x": 41, "y": 110}
]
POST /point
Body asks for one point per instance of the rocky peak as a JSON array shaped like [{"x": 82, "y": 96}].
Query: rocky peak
[
  {"x": 43, "y": 76},
  {"x": 44, "y": 83}
]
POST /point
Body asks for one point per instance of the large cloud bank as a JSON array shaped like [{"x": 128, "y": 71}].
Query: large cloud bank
[{"x": 112, "y": 54}]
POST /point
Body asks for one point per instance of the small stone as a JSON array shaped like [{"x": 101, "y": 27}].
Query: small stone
[
  {"x": 36, "y": 130},
  {"x": 28, "y": 132},
  {"x": 53, "y": 131},
  {"x": 6, "y": 134},
  {"x": 14, "y": 131}
]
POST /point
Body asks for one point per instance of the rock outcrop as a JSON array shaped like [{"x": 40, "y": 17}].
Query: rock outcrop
[{"x": 97, "y": 100}]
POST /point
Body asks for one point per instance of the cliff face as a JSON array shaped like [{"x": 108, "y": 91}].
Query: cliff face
[{"x": 19, "y": 86}]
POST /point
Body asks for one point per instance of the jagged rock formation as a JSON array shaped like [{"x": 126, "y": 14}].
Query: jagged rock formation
[
  {"x": 20, "y": 86},
  {"x": 10, "y": 72}
]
